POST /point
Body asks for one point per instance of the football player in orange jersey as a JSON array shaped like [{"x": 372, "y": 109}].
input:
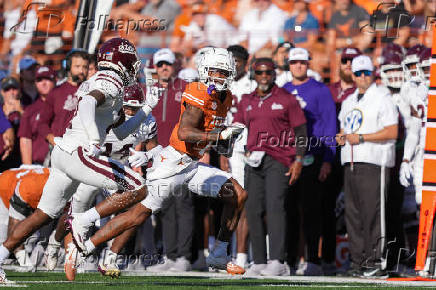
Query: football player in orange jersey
[
  {"x": 20, "y": 192},
  {"x": 204, "y": 109}
]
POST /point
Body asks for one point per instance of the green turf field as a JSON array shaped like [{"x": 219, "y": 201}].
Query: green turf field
[{"x": 46, "y": 281}]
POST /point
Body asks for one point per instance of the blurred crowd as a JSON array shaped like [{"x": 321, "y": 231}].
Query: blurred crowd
[{"x": 300, "y": 41}]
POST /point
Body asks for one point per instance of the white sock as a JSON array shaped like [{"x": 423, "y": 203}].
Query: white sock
[
  {"x": 89, "y": 246},
  {"x": 89, "y": 216},
  {"x": 241, "y": 259},
  {"x": 52, "y": 240},
  {"x": 4, "y": 254}
]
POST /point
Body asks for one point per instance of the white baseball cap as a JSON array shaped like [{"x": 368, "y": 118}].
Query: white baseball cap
[
  {"x": 164, "y": 54},
  {"x": 298, "y": 53},
  {"x": 362, "y": 62}
]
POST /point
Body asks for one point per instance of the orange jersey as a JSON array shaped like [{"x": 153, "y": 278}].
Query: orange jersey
[
  {"x": 30, "y": 185},
  {"x": 214, "y": 115}
]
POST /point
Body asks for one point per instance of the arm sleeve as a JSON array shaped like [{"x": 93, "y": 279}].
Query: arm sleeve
[
  {"x": 86, "y": 112},
  {"x": 301, "y": 134},
  {"x": 328, "y": 117},
  {"x": 4, "y": 122}
]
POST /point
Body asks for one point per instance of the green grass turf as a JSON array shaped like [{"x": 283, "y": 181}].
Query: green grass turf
[{"x": 46, "y": 281}]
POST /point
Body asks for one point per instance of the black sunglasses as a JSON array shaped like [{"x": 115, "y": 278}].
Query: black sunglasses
[
  {"x": 367, "y": 73},
  {"x": 260, "y": 72},
  {"x": 345, "y": 60},
  {"x": 161, "y": 63}
]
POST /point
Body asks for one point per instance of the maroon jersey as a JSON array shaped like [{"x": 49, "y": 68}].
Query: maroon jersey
[
  {"x": 167, "y": 111},
  {"x": 63, "y": 102},
  {"x": 270, "y": 123},
  {"x": 34, "y": 125}
]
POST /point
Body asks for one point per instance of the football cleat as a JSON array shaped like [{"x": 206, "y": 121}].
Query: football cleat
[
  {"x": 223, "y": 262},
  {"x": 78, "y": 231},
  {"x": 73, "y": 259},
  {"x": 3, "y": 279},
  {"x": 109, "y": 267}
]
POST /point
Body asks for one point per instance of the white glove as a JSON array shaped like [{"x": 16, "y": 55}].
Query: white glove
[
  {"x": 234, "y": 129},
  {"x": 138, "y": 158},
  {"x": 152, "y": 96},
  {"x": 94, "y": 149},
  {"x": 405, "y": 173}
]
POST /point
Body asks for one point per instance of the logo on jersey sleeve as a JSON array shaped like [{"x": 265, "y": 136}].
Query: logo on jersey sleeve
[{"x": 353, "y": 121}]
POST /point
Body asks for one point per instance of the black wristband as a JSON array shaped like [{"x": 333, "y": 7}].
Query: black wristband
[{"x": 361, "y": 140}]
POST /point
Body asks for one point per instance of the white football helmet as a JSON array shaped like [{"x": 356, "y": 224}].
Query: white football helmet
[
  {"x": 217, "y": 59},
  {"x": 412, "y": 58}
]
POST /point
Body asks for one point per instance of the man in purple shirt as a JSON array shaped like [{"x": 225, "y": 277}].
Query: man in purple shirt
[
  {"x": 34, "y": 131},
  {"x": 276, "y": 144},
  {"x": 319, "y": 109},
  {"x": 7, "y": 138},
  {"x": 62, "y": 100}
]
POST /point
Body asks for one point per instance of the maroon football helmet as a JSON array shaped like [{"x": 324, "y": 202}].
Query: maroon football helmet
[
  {"x": 391, "y": 48},
  {"x": 133, "y": 96},
  {"x": 120, "y": 55},
  {"x": 391, "y": 71}
]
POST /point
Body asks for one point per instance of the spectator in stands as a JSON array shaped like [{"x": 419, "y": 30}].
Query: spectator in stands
[
  {"x": 269, "y": 113},
  {"x": 262, "y": 26},
  {"x": 319, "y": 109},
  {"x": 7, "y": 140},
  {"x": 241, "y": 85},
  {"x": 347, "y": 27},
  {"x": 369, "y": 128},
  {"x": 183, "y": 21},
  {"x": 62, "y": 100},
  {"x": 395, "y": 20},
  {"x": 13, "y": 110},
  {"x": 302, "y": 28},
  {"x": 345, "y": 86},
  {"x": 284, "y": 75},
  {"x": 34, "y": 131},
  {"x": 178, "y": 218},
  {"x": 29, "y": 92},
  {"x": 206, "y": 30},
  {"x": 166, "y": 10}
]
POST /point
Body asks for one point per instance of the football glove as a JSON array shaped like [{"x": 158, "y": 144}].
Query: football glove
[
  {"x": 138, "y": 158},
  {"x": 234, "y": 129},
  {"x": 405, "y": 173},
  {"x": 153, "y": 95},
  {"x": 94, "y": 149}
]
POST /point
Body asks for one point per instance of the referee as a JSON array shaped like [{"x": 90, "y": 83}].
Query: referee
[{"x": 369, "y": 127}]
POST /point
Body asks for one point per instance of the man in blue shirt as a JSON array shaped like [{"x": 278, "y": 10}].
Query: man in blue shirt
[{"x": 320, "y": 112}]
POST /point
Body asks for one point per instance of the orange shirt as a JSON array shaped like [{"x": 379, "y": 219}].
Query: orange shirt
[
  {"x": 31, "y": 183},
  {"x": 182, "y": 20},
  {"x": 214, "y": 115}
]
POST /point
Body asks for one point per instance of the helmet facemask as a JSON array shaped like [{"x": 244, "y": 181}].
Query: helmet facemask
[
  {"x": 392, "y": 76},
  {"x": 424, "y": 71},
  {"x": 411, "y": 74}
]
